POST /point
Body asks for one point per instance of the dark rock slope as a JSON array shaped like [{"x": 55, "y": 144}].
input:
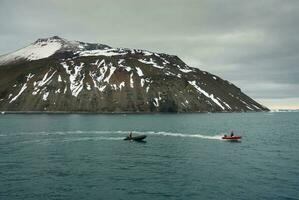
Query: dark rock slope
[{"x": 54, "y": 74}]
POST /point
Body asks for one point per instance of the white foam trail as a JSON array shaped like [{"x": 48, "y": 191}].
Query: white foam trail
[
  {"x": 161, "y": 133},
  {"x": 46, "y": 141},
  {"x": 91, "y": 139},
  {"x": 215, "y": 137},
  {"x": 64, "y": 132}
]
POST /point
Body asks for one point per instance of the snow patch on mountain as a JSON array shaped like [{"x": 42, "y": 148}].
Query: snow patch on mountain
[
  {"x": 21, "y": 91},
  {"x": 76, "y": 78},
  {"x": 88, "y": 87},
  {"x": 131, "y": 81},
  {"x": 139, "y": 71},
  {"x": 57, "y": 91},
  {"x": 156, "y": 102},
  {"x": 247, "y": 105},
  {"x": 151, "y": 62},
  {"x": 210, "y": 96},
  {"x": 256, "y": 107},
  {"x": 102, "y": 52},
  {"x": 59, "y": 79},
  {"x": 39, "y": 86},
  {"x": 185, "y": 70},
  {"x": 112, "y": 69},
  {"x": 147, "y": 53},
  {"x": 226, "y": 105},
  {"x": 45, "y": 96},
  {"x": 29, "y": 76},
  {"x": 142, "y": 81},
  {"x": 121, "y": 85},
  {"x": 97, "y": 80}
]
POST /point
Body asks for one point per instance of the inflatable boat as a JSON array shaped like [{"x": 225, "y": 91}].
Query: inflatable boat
[
  {"x": 232, "y": 138},
  {"x": 136, "y": 138}
]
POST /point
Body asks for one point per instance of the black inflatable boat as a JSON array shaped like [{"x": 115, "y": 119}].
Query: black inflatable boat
[{"x": 136, "y": 138}]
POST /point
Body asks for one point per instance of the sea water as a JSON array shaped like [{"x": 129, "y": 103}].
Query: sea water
[{"x": 73, "y": 156}]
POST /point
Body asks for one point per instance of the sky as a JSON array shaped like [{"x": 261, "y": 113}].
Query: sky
[{"x": 253, "y": 44}]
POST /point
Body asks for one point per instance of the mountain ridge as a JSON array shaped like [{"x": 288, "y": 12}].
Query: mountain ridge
[{"x": 54, "y": 74}]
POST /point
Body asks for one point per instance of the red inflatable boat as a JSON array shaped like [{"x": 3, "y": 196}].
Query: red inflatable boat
[{"x": 235, "y": 137}]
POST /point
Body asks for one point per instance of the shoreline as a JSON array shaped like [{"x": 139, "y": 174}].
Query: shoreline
[{"x": 105, "y": 113}]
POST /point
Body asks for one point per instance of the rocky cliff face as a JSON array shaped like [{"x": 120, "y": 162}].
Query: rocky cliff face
[{"x": 54, "y": 74}]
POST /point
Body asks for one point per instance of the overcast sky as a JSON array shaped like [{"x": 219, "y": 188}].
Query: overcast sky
[{"x": 254, "y": 44}]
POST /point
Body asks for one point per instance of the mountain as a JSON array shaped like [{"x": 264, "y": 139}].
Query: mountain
[{"x": 54, "y": 74}]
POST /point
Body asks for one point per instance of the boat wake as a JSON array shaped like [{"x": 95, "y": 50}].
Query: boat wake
[
  {"x": 91, "y": 139},
  {"x": 171, "y": 134},
  {"x": 78, "y": 139},
  {"x": 109, "y": 134}
]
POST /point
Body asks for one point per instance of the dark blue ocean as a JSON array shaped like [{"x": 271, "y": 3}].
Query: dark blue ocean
[{"x": 84, "y": 156}]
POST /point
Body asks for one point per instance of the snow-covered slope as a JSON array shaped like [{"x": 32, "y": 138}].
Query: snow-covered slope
[
  {"x": 38, "y": 50},
  {"x": 46, "y": 47}
]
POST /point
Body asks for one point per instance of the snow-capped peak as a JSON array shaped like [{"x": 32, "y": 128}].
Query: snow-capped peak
[
  {"x": 46, "y": 47},
  {"x": 42, "y": 48},
  {"x": 50, "y": 39}
]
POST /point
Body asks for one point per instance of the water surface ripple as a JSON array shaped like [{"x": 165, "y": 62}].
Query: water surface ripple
[{"x": 85, "y": 157}]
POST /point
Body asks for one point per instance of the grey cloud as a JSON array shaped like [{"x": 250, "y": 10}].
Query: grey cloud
[{"x": 254, "y": 44}]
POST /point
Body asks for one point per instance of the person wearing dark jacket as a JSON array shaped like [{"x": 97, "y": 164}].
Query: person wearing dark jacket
[{"x": 232, "y": 133}]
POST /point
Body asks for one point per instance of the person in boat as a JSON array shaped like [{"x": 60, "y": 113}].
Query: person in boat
[
  {"x": 130, "y": 135},
  {"x": 225, "y": 135},
  {"x": 232, "y": 133}
]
